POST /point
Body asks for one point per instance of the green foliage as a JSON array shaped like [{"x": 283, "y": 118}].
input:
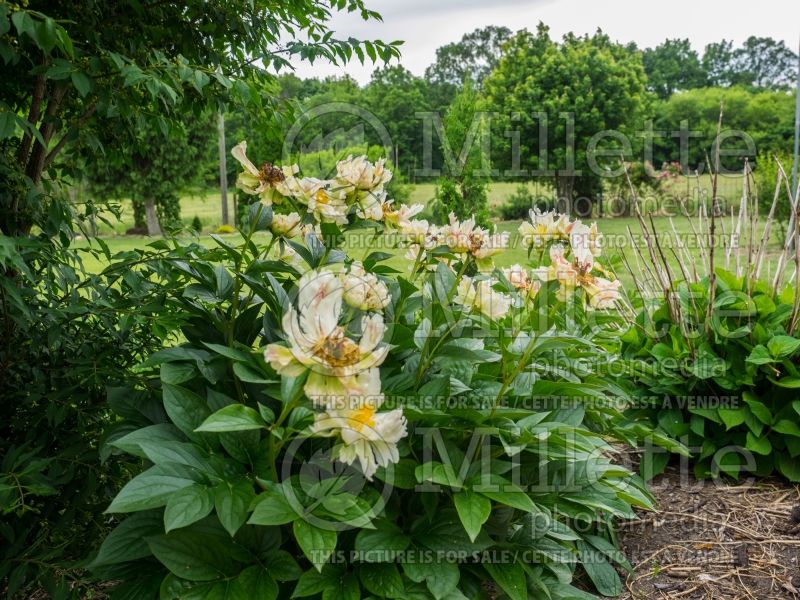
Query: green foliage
[
  {"x": 672, "y": 65},
  {"x": 77, "y": 71},
  {"x": 766, "y": 175},
  {"x": 472, "y": 58},
  {"x": 760, "y": 61},
  {"x": 519, "y": 204},
  {"x": 462, "y": 190},
  {"x": 600, "y": 83},
  {"x": 725, "y": 384},
  {"x": 765, "y": 117},
  {"x": 322, "y": 164},
  {"x": 197, "y": 224},
  {"x": 465, "y": 199},
  {"x": 69, "y": 341},
  {"x": 151, "y": 166}
]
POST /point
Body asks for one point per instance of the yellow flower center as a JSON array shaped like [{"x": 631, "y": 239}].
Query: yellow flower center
[
  {"x": 321, "y": 196},
  {"x": 338, "y": 350},
  {"x": 364, "y": 417}
]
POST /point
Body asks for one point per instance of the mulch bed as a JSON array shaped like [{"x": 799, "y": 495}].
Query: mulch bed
[{"x": 714, "y": 540}]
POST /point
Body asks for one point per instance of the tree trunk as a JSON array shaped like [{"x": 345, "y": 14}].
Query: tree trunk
[
  {"x": 564, "y": 200},
  {"x": 152, "y": 217}
]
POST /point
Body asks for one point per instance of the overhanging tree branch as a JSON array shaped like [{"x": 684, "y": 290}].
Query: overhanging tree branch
[{"x": 62, "y": 142}]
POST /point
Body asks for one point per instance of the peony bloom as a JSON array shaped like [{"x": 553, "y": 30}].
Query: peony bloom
[
  {"x": 327, "y": 205},
  {"x": 287, "y": 254},
  {"x": 400, "y": 217},
  {"x": 579, "y": 239},
  {"x": 339, "y": 365},
  {"x": 367, "y": 435},
  {"x": 268, "y": 182},
  {"x": 461, "y": 236},
  {"x": 360, "y": 175},
  {"x": 312, "y": 229},
  {"x": 487, "y": 245},
  {"x": 364, "y": 290},
  {"x": 542, "y": 228},
  {"x": 483, "y": 297},
  {"x": 417, "y": 231},
  {"x": 602, "y": 293},
  {"x": 563, "y": 271},
  {"x": 595, "y": 240},
  {"x": 287, "y": 226},
  {"x": 521, "y": 280},
  {"x": 370, "y": 206}
]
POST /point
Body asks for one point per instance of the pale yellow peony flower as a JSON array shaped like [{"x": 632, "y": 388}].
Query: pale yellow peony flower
[
  {"x": 359, "y": 174},
  {"x": 522, "y": 281},
  {"x": 401, "y": 216},
  {"x": 337, "y": 363},
  {"x": 541, "y": 229},
  {"x": 483, "y": 297},
  {"x": 602, "y": 293},
  {"x": 268, "y": 182},
  {"x": 289, "y": 255},
  {"x": 287, "y": 226},
  {"x": 563, "y": 271},
  {"x": 580, "y": 242},
  {"x": 326, "y": 204},
  {"x": 460, "y": 236},
  {"x": 370, "y": 205},
  {"x": 368, "y": 436},
  {"x": 364, "y": 290},
  {"x": 417, "y": 231}
]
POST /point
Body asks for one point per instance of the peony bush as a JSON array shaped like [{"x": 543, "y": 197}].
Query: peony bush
[{"x": 326, "y": 425}]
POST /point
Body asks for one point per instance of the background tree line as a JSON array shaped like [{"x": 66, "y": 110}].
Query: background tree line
[{"x": 527, "y": 80}]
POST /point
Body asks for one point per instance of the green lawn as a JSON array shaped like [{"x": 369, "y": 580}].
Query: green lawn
[{"x": 206, "y": 205}]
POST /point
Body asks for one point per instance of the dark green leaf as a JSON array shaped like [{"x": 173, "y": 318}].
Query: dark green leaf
[{"x": 234, "y": 417}]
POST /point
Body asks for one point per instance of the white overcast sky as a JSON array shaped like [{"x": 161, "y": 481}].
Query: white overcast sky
[{"x": 427, "y": 24}]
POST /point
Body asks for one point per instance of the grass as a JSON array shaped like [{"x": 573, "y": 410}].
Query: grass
[{"x": 206, "y": 205}]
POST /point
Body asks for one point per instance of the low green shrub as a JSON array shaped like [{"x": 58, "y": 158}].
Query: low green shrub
[
  {"x": 66, "y": 336},
  {"x": 519, "y": 204},
  {"x": 728, "y": 385}
]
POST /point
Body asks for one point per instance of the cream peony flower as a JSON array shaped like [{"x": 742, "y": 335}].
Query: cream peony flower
[
  {"x": 417, "y": 231},
  {"x": 401, "y": 216},
  {"x": 522, "y": 281},
  {"x": 338, "y": 364},
  {"x": 268, "y": 182},
  {"x": 287, "y": 254},
  {"x": 563, "y": 271},
  {"x": 364, "y": 290},
  {"x": 483, "y": 297},
  {"x": 460, "y": 236},
  {"x": 488, "y": 245},
  {"x": 327, "y": 205},
  {"x": 368, "y": 436},
  {"x": 540, "y": 230},
  {"x": 602, "y": 293},
  {"x": 370, "y": 205},
  {"x": 359, "y": 174},
  {"x": 287, "y": 226},
  {"x": 312, "y": 229},
  {"x": 579, "y": 239},
  {"x": 595, "y": 240}
]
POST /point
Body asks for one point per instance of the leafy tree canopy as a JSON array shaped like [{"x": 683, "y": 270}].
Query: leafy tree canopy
[
  {"x": 124, "y": 63},
  {"x": 672, "y": 65},
  {"x": 760, "y": 62},
  {"x": 581, "y": 86}
]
